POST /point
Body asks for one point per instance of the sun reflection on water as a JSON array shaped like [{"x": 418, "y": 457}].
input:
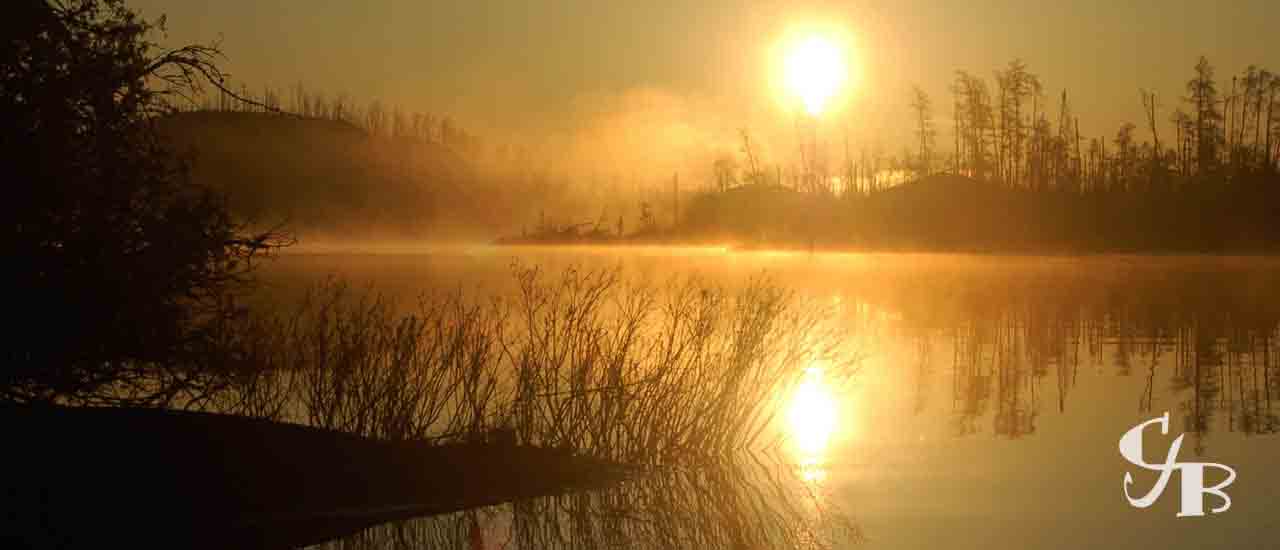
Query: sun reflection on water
[{"x": 812, "y": 421}]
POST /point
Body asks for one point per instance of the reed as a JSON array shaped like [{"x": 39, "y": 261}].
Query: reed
[{"x": 582, "y": 360}]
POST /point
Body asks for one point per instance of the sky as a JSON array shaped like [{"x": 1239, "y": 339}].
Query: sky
[{"x": 517, "y": 69}]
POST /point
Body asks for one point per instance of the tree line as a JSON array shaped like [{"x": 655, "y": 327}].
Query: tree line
[
  {"x": 1009, "y": 135},
  {"x": 375, "y": 117},
  {"x": 1019, "y": 174}
]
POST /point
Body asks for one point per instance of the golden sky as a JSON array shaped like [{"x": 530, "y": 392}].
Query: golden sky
[{"x": 523, "y": 67}]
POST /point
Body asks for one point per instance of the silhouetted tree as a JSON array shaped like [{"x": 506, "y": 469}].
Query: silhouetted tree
[
  {"x": 974, "y": 99},
  {"x": 1125, "y": 153},
  {"x": 925, "y": 131},
  {"x": 1202, "y": 94},
  {"x": 1184, "y": 128},
  {"x": 726, "y": 173},
  {"x": 1066, "y": 169},
  {"x": 1272, "y": 87},
  {"x": 1157, "y": 168},
  {"x": 754, "y": 174},
  {"x": 1015, "y": 84},
  {"x": 126, "y": 265}
]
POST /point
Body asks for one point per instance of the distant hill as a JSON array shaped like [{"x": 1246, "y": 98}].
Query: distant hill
[
  {"x": 936, "y": 212},
  {"x": 753, "y": 213},
  {"x": 948, "y": 211},
  {"x": 939, "y": 212},
  {"x": 323, "y": 174},
  {"x": 958, "y": 213}
]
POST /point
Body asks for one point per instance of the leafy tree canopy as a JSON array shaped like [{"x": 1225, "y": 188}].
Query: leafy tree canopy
[{"x": 120, "y": 266}]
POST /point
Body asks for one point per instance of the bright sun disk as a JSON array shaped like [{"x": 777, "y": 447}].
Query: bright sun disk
[{"x": 814, "y": 72}]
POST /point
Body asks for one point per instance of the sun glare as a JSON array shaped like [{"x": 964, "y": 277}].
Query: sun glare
[
  {"x": 815, "y": 69},
  {"x": 812, "y": 414}
]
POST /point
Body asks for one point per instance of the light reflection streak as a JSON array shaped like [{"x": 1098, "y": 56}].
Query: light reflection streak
[{"x": 812, "y": 417}]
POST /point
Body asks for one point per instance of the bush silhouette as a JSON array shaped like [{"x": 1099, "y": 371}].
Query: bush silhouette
[{"x": 121, "y": 262}]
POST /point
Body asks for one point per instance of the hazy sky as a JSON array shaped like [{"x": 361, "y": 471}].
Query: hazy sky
[{"x": 528, "y": 67}]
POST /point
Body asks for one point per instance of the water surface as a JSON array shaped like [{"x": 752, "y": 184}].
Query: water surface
[{"x": 992, "y": 393}]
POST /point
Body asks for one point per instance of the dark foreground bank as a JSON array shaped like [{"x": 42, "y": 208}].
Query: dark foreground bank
[{"x": 143, "y": 478}]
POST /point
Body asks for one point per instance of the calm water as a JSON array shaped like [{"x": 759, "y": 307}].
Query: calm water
[{"x": 987, "y": 413}]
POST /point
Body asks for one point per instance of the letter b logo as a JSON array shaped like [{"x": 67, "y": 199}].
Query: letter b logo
[{"x": 1193, "y": 489}]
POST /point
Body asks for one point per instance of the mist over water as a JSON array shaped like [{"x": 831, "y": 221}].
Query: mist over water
[
  {"x": 712, "y": 275},
  {"x": 991, "y": 390}
]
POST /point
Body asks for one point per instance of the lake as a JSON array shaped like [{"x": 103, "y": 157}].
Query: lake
[{"x": 987, "y": 410}]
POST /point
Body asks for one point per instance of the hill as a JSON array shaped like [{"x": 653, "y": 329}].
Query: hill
[
  {"x": 949, "y": 212},
  {"x": 936, "y": 212},
  {"x": 323, "y": 175},
  {"x": 953, "y": 212}
]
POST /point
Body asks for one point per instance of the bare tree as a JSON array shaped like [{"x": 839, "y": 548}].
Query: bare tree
[
  {"x": 754, "y": 175},
  {"x": 977, "y": 119},
  {"x": 925, "y": 131},
  {"x": 1016, "y": 84},
  {"x": 1202, "y": 94}
]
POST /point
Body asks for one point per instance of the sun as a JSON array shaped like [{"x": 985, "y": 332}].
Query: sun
[{"x": 814, "y": 70}]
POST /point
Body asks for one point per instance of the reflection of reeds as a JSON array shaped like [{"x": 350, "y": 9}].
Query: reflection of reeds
[
  {"x": 582, "y": 361},
  {"x": 736, "y": 504}
]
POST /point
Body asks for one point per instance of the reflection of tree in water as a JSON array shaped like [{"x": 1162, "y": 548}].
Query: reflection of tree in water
[
  {"x": 735, "y": 505},
  {"x": 1206, "y": 382},
  {"x": 1218, "y": 368},
  {"x": 971, "y": 385},
  {"x": 1017, "y": 344},
  {"x": 923, "y": 372},
  {"x": 1017, "y": 406},
  {"x": 993, "y": 360}
]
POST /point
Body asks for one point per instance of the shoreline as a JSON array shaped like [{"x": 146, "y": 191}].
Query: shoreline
[{"x": 145, "y": 477}]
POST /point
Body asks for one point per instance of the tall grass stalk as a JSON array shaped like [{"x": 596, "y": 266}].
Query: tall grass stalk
[{"x": 581, "y": 360}]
